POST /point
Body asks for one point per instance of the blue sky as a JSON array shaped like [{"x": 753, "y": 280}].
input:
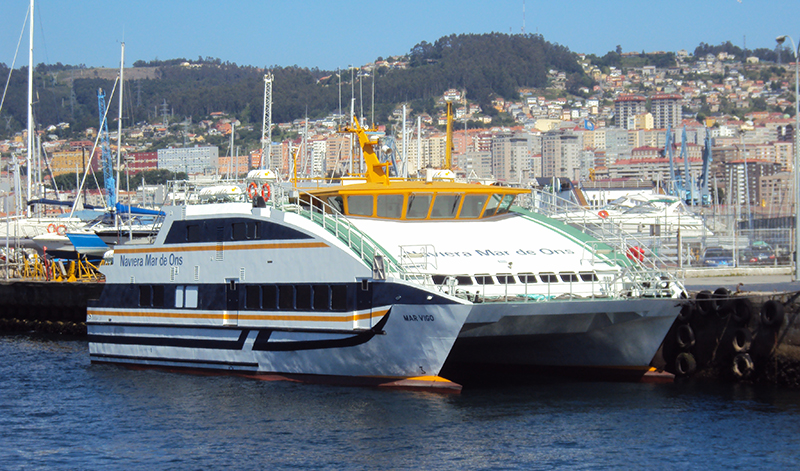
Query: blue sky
[{"x": 328, "y": 34}]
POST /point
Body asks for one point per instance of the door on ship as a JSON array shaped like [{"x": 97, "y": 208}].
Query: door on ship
[
  {"x": 230, "y": 316},
  {"x": 364, "y": 303}
]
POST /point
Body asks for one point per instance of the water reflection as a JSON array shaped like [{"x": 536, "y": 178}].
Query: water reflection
[{"x": 58, "y": 411}]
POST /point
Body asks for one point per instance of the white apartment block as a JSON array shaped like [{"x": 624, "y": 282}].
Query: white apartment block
[{"x": 191, "y": 160}]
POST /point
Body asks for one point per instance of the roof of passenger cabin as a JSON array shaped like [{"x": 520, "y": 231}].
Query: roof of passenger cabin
[{"x": 419, "y": 187}]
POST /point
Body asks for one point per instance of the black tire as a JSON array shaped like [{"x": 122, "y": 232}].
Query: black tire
[
  {"x": 685, "y": 364},
  {"x": 721, "y": 293},
  {"x": 772, "y": 313},
  {"x": 686, "y": 314},
  {"x": 742, "y": 310},
  {"x": 742, "y": 366},
  {"x": 706, "y": 302},
  {"x": 742, "y": 339},
  {"x": 684, "y": 336},
  {"x": 725, "y": 309}
]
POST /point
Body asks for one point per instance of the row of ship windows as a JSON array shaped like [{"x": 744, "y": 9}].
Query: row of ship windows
[
  {"x": 256, "y": 297},
  {"x": 510, "y": 279}
]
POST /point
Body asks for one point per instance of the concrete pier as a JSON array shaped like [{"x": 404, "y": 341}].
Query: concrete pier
[{"x": 52, "y": 307}]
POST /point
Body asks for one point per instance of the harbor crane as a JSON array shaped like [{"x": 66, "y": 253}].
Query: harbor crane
[{"x": 266, "y": 127}]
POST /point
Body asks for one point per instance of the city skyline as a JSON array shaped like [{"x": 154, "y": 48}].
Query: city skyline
[{"x": 325, "y": 35}]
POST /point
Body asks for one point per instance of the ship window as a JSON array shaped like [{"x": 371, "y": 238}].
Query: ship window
[
  {"x": 321, "y": 297},
  {"x": 548, "y": 277},
  {"x": 588, "y": 276},
  {"x": 464, "y": 280},
  {"x": 192, "y": 233},
  {"x": 158, "y": 296},
  {"x": 445, "y": 206},
  {"x": 568, "y": 277},
  {"x": 190, "y": 297},
  {"x": 303, "y": 297},
  {"x": 418, "y": 204},
  {"x": 527, "y": 277},
  {"x": 179, "y": 296},
  {"x": 438, "y": 279},
  {"x": 253, "y": 231},
  {"x": 485, "y": 279},
  {"x": 239, "y": 231},
  {"x": 472, "y": 206},
  {"x": 220, "y": 233},
  {"x": 252, "y": 297},
  {"x": 505, "y": 204},
  {"x": 491, "y": 207},
  {"x": 286, "y": 297},
  {"x": 506, "y": 279},
  {"x": 337, "y": 203},
  {"x": 390, "y": 206},
  {"x": 269, "y": 297},
  {"x": 359, "y": 205},
  {"x": 339, "y": 297},
  {"x": 145, "y": 295}
]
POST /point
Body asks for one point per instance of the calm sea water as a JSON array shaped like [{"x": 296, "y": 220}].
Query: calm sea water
[{"x": 57, "y": 411}]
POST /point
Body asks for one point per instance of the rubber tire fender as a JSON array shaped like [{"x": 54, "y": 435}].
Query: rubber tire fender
[
  {"x": 687, "y": 312},
  {"x": 684, "y": 336},
  {"x": 742, "y": 365},
  {"x": 685, "y": 364},
  {"x": 742, "y": 310},
  {"x": 772, "y": 313},
  {"x": 706, "y": 302},
  {"x": 742, "y": 338}
]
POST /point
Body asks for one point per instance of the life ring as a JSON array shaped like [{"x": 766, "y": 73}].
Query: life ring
[
  {"x": 51, "y": 228},
  {"x": 266, "y": 191},
  {"x": 252, "y": 190},
  {"x": 636, "y": 253},
  {"x": 603, "y": 214},
  {"x": 61, "y": 230}
]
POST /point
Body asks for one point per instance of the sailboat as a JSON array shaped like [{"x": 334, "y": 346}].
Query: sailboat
[{"x": 19, "y": 230}]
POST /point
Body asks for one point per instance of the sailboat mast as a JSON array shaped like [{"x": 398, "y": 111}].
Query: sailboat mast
[
  {"x": 119, "y": 116},
  {"x": 30, "y": 109}
]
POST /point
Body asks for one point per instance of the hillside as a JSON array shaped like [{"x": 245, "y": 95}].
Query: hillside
[{"x": 485, "y": 65}]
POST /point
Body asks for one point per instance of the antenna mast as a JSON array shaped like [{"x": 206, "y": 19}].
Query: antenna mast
[{"x": 266, "y": 128}]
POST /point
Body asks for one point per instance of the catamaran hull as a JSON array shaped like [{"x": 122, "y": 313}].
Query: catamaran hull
[
  {"x": 406, "y": 347},
  {"x": 611, "y": 339}
]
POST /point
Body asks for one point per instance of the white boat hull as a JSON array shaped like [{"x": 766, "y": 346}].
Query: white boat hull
[{"x": 596, "y": 338}]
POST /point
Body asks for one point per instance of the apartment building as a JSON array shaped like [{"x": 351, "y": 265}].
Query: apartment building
[
  {"x": 626, "y": 107},
  {"x": 666, "y": 110},
  {"x": 191, "y": 160},
  {"x": 561, "y": 154}
]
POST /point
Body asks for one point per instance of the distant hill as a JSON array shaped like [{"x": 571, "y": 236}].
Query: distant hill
[{"x": 485, "y": 65}]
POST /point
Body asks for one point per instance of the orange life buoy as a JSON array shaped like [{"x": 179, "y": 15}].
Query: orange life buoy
[
  {"x": 61, "y": 229},
  {"x": 636, "y": 253},
  {"x": 603, "y": 214},
  {"x": 252, "y": 190},
  {"x": 266, "y": 191},
  {"x": 51, "y": 228}
]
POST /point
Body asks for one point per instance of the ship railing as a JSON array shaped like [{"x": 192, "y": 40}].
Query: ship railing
[
  {"x": 645, "y": 253},
  {"x": 421, "y": 257},
  {"x": 603, "y": 284},
  {"x": 336, "y": 223}
]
